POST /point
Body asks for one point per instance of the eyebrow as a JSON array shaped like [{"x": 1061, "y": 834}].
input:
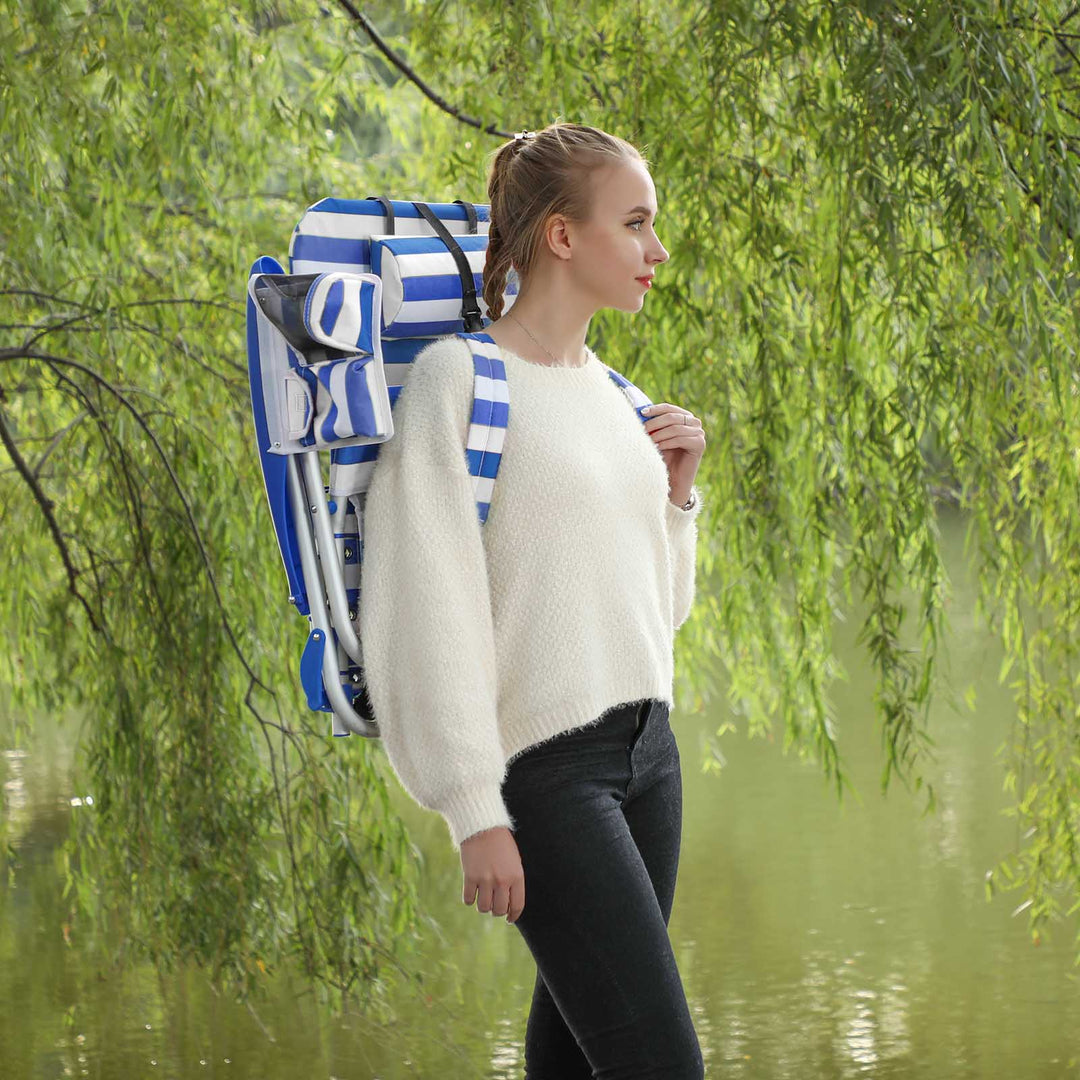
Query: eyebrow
[{"x": 639, "y": 209}]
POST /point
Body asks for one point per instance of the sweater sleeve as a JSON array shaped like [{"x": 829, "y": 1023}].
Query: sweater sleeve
[
  {"x": 682, "y": 538},
  {"x": 425, "y": 609}
]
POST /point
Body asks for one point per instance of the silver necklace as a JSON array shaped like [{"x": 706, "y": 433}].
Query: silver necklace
[{"x": 555, "y": 363}]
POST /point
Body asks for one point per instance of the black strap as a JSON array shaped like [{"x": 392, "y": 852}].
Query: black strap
[
  {"x": 471, "y": 318},
  {"x": 470, "y": 213},
  {"x": 388, "y": 210}
]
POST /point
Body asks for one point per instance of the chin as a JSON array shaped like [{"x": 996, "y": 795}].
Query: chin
[{"x": 631, "y": 305}]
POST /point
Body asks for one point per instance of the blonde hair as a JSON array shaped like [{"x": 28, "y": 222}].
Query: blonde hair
[{"x": 532, "y": 178}]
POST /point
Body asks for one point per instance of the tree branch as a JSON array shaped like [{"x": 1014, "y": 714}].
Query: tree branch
[
  {"x": 50, "y": 519},
  {"x": 131, "y": 324},
  {"x": 411, "y": 75},
  {"x": 55, "y": 441},
  {"x": 192, "y": 301}
]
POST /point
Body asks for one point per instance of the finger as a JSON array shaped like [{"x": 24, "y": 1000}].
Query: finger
[
  {"x": 517, "y": 902},
  {"x": 483, "y": 897},
  {"x": 672, "y": 416},
  {"x": 500, "y": 901},
  {"x": 676, "y": 421},
  {"x": 470, "y": 892},
  {"x": 674, "y": 442}
]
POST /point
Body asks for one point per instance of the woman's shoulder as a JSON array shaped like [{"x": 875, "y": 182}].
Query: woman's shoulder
[
  {"x": 441, "y": 370},
  {"x": 437, "y": 394},
  {"x": 448, "y": 349},
  {"x": 444, "y": 364}
]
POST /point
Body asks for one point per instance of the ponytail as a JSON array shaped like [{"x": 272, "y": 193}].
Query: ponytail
[{"x": 498, "y": 259}]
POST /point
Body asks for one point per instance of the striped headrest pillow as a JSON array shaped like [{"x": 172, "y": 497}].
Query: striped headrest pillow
[{"x": 422, "y": 283}]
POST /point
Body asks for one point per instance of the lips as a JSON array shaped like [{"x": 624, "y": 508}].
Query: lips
[{"x": 646, "y": 281}]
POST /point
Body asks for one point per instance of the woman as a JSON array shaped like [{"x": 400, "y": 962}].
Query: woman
[{"x": 521, "y": 671}]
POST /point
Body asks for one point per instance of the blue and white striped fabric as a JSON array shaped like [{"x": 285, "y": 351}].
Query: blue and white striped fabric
[
  {"x": 636, "y": 398},
  {"x": 490, "y": 416},
  {"x": 346, "y": 393},
  {"x": 422, "y": 283},
  {"x": 355, "y": 465},
  {"x": 341, "y": 311},
  {"x": 335, "y": 234}
]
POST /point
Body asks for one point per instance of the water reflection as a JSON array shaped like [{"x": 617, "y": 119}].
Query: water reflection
[
  {"x": 15, "y": 796},
  {"x": 507, "y": 1049}
]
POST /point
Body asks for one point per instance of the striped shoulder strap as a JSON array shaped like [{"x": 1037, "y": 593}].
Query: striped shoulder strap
[
  {"x": 491, "y": 413},
  {"x": 637, "y": 399}
]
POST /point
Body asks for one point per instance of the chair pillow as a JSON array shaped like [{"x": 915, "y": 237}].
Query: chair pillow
[
  {"x": 422, "y": 285},
  {"x": 350, "y": 400},
  {"x": 341, "y": 309}
]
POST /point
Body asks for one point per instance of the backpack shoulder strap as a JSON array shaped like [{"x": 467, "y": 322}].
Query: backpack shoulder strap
[
  {"x": 490, "y": 413},
  {"x": 637, "y": 399}
]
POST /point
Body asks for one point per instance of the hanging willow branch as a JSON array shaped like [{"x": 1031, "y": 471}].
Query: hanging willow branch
[
  {"x": 46, "y": 505},
  {"x": 410, "y": 73}
]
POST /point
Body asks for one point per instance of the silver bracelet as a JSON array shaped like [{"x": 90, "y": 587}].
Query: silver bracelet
[{"x": 689, "y": 504}]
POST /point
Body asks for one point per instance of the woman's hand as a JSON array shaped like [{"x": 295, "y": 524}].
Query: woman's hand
[
  {"x": 679, "y": 436},
  {"x": 492, "y": 871}
]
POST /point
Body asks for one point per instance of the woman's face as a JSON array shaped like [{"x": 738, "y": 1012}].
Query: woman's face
[{"x": 619, "y": 245}]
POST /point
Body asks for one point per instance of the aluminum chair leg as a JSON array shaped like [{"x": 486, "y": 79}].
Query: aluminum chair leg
[
  {"x": 328, "y": 560},
  {"x": 305, "y": 503}
]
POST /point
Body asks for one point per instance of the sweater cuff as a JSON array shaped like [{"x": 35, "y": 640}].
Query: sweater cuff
[
  {"x": 677, "y": 515},
  {"x": 473, "y": 810}
]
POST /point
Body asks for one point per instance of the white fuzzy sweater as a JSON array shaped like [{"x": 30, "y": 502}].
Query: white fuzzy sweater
[{"x": 481, "y": 640}]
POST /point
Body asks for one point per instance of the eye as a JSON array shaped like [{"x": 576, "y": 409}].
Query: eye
[{"x": 639, "y": 221}]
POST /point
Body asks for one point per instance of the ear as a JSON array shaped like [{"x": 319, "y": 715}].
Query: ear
[{"x": 558, "y": 234}]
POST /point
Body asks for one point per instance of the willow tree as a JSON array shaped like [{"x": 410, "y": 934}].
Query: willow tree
[{"x": 872, "y": 214}]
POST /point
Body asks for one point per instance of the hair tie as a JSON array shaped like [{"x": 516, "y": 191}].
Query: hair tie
[{"x": 524, "y": 134}]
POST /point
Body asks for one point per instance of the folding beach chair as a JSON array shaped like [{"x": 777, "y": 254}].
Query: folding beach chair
[{"x": 330, "y": 344}]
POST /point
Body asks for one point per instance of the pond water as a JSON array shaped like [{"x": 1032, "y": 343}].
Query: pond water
[{"x": 816, "y": 940}]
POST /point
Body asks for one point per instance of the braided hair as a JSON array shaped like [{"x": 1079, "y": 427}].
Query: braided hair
[{"x": 534, "y": 175}]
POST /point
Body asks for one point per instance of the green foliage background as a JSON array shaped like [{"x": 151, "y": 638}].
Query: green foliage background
[{"x": 872, "y": 213}]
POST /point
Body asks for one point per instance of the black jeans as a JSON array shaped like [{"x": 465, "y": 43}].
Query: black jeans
[{"x": 598, "y": 823}]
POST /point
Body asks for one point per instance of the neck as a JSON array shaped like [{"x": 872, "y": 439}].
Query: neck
[{"x": 546, "y": 319}]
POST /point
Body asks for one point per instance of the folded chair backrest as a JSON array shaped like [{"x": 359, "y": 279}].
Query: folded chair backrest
[{"x": 330, "y": 347}]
